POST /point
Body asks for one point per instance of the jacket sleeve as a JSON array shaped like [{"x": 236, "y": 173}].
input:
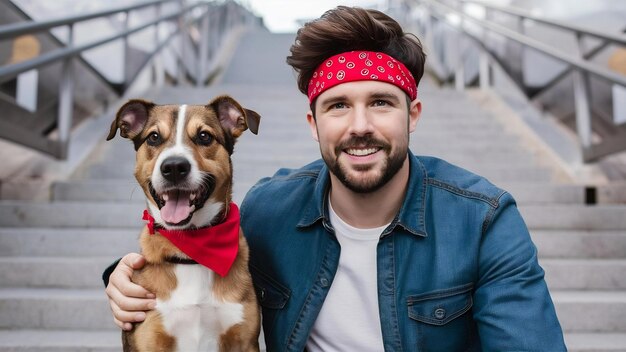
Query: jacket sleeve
[
  {"x": 108, "y": 271},
  {"x": 512, "y": 305}
]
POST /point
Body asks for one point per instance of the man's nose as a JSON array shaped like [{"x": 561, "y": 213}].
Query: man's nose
[{"x": 360, "y": 123}]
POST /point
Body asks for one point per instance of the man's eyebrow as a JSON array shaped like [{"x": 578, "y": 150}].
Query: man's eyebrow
[
  {"x": 385, "y": 95},
  {"x": 333, "y": 100}
]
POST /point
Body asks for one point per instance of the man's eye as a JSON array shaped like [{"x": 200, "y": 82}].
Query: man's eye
[
  {"x": 204, "y": 138},
  {"x": 381, "y": 103},
  {"x": 154, "y": 139},
  {"x": 338, "y": 106}
]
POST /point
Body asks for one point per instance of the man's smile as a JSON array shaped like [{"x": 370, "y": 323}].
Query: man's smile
[{"x": 362, "y": 151}]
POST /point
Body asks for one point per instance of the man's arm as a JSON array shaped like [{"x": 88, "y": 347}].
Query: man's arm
[
  {"x": 128, "y": 301},
  {"x": 512, "y": 304}
]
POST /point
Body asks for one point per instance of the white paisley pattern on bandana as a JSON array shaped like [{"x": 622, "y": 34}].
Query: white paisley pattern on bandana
[{"x": 359, "y": 66}]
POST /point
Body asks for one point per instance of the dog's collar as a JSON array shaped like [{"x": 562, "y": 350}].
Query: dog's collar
[
  {"x": 179, "y": 260},
  {"x": 214, "y": 247}
]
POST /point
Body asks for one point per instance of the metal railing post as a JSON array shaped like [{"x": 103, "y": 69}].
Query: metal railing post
[
  {"x": 66, "y": 101},
  {"x": 126, "y": 51},
  {"x": 484, "y": 75},
  {"x": 459, "y": 73},
  {"x": 203, "y": 53},
  {"x": 581, "y": 98},
  {"x": 156, "y": 69},
  {"x": 181, "y": 33},
  {"x": 484, "y": 69},
  {"x": 521, "y": 49}
]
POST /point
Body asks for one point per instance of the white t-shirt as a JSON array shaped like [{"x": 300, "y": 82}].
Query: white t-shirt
[{"x": 349, "y": 318}]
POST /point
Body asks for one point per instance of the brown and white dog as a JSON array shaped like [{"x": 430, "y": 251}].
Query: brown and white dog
[{"x": 185, "y": 170}]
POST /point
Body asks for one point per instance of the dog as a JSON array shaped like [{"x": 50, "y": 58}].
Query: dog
[{"x": 196, "y": 254}]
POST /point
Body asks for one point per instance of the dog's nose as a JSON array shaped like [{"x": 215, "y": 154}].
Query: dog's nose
[{"x": 175, "y": 168}]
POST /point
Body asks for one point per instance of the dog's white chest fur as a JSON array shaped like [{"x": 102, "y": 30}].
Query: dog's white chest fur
[{"x": 193, "y": 315}]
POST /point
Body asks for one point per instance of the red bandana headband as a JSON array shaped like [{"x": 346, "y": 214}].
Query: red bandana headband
[
  {"x": 361, "y": 66},
  {"x": 215, "y": 247}
]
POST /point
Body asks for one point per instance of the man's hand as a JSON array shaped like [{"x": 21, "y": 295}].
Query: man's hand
[{"x": 128, "y": 300}]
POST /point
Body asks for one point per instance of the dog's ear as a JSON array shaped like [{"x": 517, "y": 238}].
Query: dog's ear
[
  {"x": 131, "y": 118},
  {"x": 233, "y": 117}
]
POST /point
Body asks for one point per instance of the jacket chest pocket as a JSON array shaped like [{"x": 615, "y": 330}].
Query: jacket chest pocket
[
  {"x": 272, "y": 297},
  {"x": 441, "y": 320}
]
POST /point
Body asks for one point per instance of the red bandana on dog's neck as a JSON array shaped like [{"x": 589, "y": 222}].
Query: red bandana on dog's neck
[
  {"x": 215, "y": 247},
  {"x": 361, "y": 66}
]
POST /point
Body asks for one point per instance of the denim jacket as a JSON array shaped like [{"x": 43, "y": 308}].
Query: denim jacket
[{"x": 457, "y": 270}]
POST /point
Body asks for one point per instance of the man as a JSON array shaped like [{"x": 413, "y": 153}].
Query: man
[{"x": 374, "y": 248}]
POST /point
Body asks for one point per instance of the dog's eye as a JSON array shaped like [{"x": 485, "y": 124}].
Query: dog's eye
[
  {"x": 204, "y": 138},
  {"x": 154, "y": 139}
]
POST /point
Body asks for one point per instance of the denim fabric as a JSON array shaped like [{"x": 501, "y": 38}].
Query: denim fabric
[{"x": 457, "y": 270}]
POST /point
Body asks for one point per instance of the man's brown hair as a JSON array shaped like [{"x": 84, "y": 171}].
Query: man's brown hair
[{"x": 352, "y": 28}]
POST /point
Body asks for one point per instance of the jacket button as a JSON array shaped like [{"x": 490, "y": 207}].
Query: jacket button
[
  {"x": 440, "y": 313},
  {"x": 324, "y": 282},
  {"x": 262, "y": 294}
]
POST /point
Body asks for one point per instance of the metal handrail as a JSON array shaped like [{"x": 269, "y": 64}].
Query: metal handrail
[
  {"x": 582, "y": 68},
  {"x": 540, "y": 46},
  {"x": 614, "y": 38},
  {"x": 185, "y": 17},
  {"x": 56, "y": 55},
  {"x": 21, "y": 28}
]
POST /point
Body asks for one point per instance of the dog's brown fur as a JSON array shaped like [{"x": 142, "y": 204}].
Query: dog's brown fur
[{"x": 225, "y": 120}]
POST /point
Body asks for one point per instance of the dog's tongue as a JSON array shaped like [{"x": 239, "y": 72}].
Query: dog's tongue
[{"x": 176, "y": 208}]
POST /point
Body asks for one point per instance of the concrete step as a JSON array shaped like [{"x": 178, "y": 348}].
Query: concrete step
[
  {"x": 578, "y": 244},
  {"x": 268, "y": 167},
  {"x": 71, "y": 214},
  {"x": 305, "y": 148},
  {"x": 67, "y": 242},
  {"x": 60, "y": 340},
  {"x": 88, "y": 309},
  {"x": 587, "y": 274},
  {"x": 84, "y": 272},
  {"x": 252, "y": 169},
  {"x": 113, "y": 242},
  {"x": 460, "y": 147},
  {"x": 128, "y": 215},
  {"x": 595, "y": 342},
  {"x": 575, "y": 217},
  {"x": 128, "y": 190},
  {"x": 53, "y": 272},
  {"x": 438, "y": 126},
  {"x": 125, "y": 190},
  {"x": 591, "y": 311},
  {"x": 435, "y": 134},
  {"x": 37, "y": 308},
  {"x": 452, "y": 122},
  {"x": 545, "y": 193},
  {"x": 465, "y": 160}
]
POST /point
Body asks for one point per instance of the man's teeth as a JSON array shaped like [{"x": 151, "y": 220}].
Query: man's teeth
[{"x": 361, "y": 152}]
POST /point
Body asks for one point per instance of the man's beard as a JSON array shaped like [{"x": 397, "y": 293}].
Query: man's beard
[{"x": 392, "y": 164}]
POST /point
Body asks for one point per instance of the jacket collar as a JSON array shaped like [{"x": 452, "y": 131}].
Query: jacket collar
[{"x": 411, "y": 217}]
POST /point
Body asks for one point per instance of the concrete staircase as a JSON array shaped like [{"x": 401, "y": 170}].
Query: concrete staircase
[{"x": 52, "y": 254}]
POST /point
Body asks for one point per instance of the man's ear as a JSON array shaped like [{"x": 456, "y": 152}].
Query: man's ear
[
  {"x": 415, "y": 112},
  {"x": 131, "y": 119},
  {"x": 233, "y": 117},
  {"x": 312, "y": 125}
]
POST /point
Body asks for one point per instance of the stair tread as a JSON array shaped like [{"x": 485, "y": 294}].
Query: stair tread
[
  {"x": 591, "y": 296},
  {"x": 54, "y": 259},
  {"x": 51, "y": 293},
  {"x": 60, "y": 338},
  {"x": 590, "y": 261},
  {"x": 595, "y": 341}
]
